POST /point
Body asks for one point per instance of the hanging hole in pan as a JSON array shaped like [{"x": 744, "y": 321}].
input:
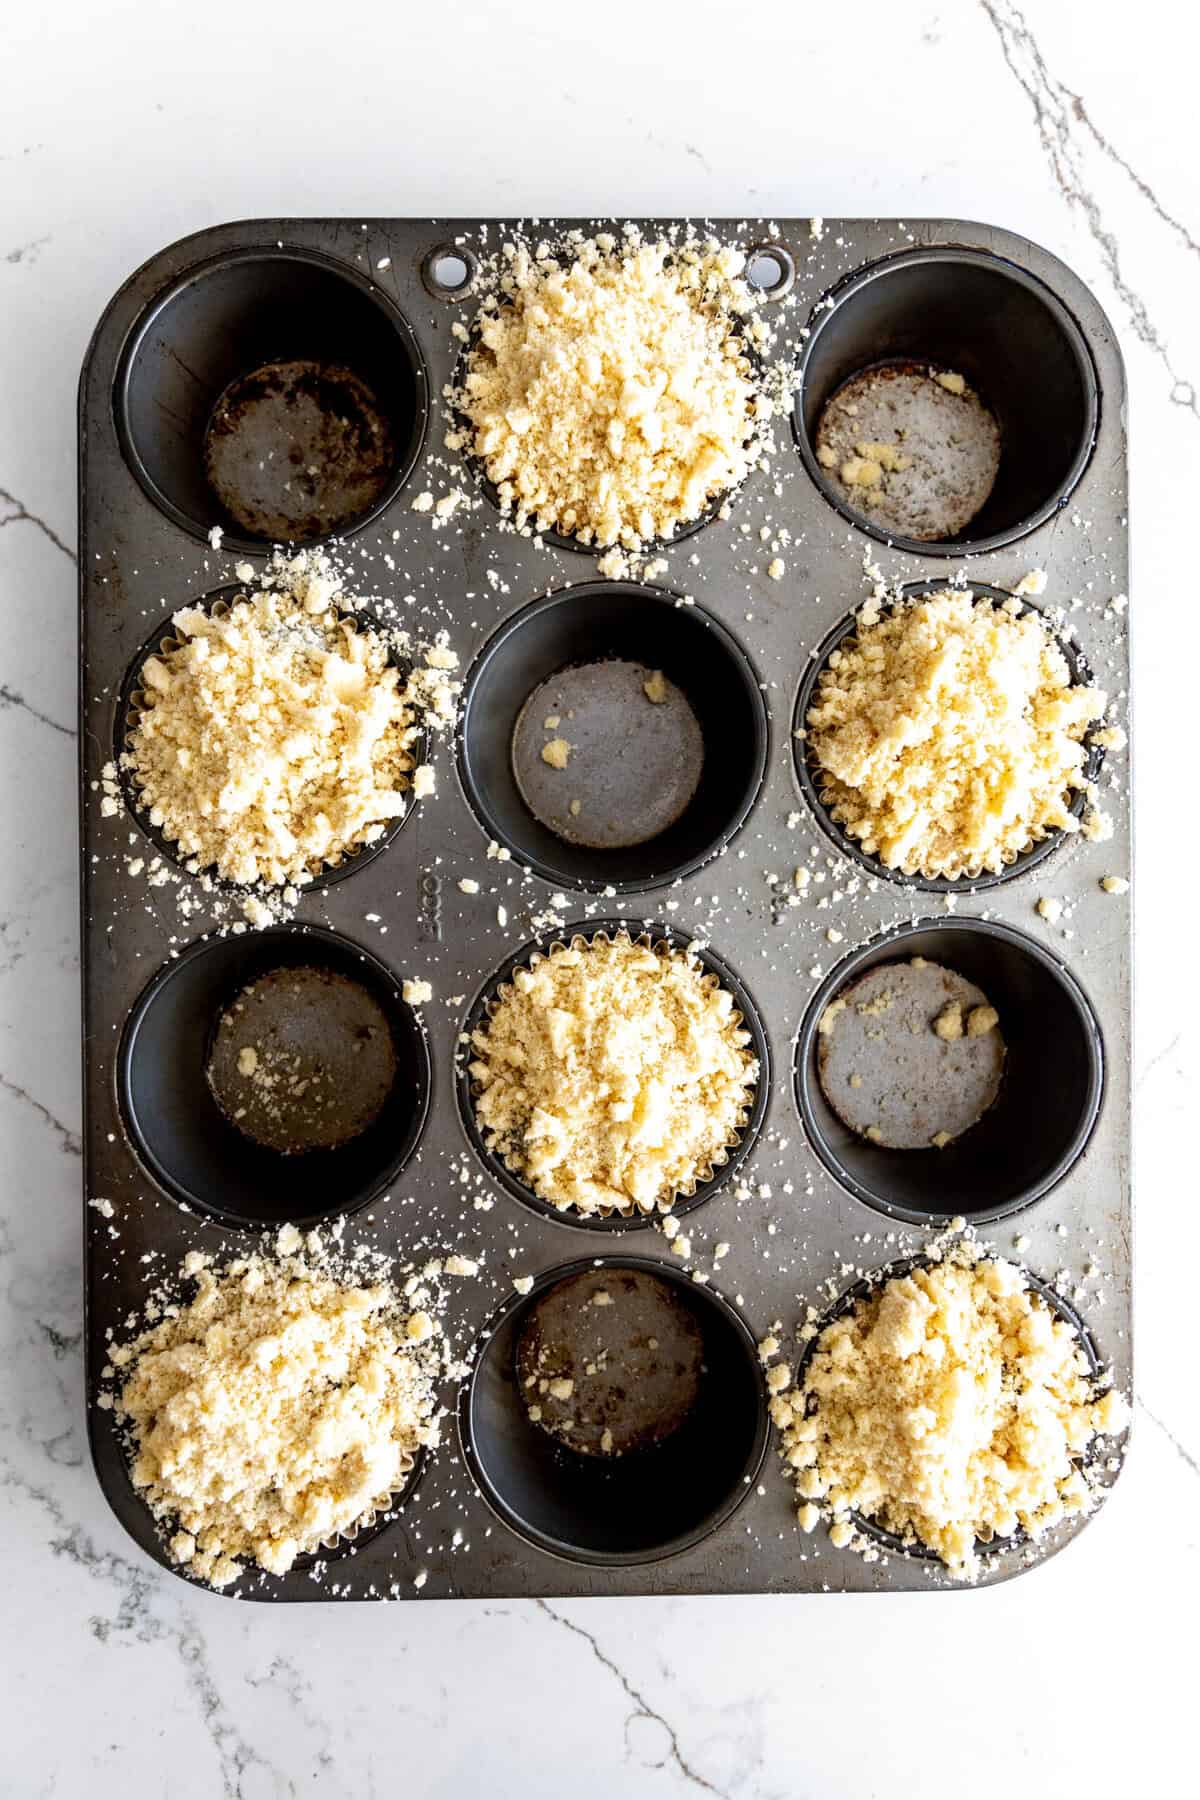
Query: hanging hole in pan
[
  {"x": 770, "y": 270},
  {"x": 449, "y": 271}
]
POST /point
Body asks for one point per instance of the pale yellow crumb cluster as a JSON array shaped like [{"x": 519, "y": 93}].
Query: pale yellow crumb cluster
[
  {"x": 277, "y": 1409},
  {"x": 610, "y": 394},
  {"x": 947, "y": 735},
  {"x": 953, "y": 1407},
  {"x": 612, "y": 1076},
  {"x": 557, "y": 753},
  {"x": 951, "y": 1023},
  {"x": 276, "y": 737}
]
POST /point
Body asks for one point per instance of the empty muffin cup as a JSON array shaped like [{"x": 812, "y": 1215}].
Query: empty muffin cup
[
  {"x": 863, "y": 1289},
  {"x": 809, "y": 775},
  {"x": 747, "y": 1018},
  {"x": 672, "y": 1488},
  {"x": 186, "y": 1133},
  {"x": 669, "y": 747},
  {"x": 133, "y": 699},
  {"x": 274, "y": 393},
  {"x": 1049, "y": 1096},
  {"x": 966, "y": 313}
]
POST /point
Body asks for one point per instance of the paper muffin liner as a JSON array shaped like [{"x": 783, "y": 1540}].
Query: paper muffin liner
[
  {"x": 378, "y": 1516},
  {"x": 814, "y": 778},
  {"x": 910, "y": 1546},
  {"x": 136, "y": 700},
  {"x": 735, "y": 1139}
]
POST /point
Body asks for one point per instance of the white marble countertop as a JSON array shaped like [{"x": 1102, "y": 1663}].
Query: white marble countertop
[{"x": 124, "y": 131}]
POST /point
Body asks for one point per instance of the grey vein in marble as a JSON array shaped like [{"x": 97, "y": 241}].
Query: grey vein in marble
[
  {"x": 70, "y": 1139},
  {"x": 18, "y": 513},
  {"x": 1185, "y": 1453},
  {"x": 9, "y": 698},
  {"x": 643, "y": 1706},
  {"x": 135, "y": 1619},
  {"x": 1061, "y": 120}
]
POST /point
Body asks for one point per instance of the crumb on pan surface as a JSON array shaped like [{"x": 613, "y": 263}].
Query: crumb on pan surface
[
  {"x": 276, "y": 737},
  {"x": 612, "y": 1075},
  {"x": 278, "y": 1408},
  {"x": 952, "y": 1406},
  {"x": 947, "y": 735},
  {"x": 610, "y": 394}
]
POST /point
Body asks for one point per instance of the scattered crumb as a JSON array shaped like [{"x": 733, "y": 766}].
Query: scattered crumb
[{"x": 557, "y": 753}]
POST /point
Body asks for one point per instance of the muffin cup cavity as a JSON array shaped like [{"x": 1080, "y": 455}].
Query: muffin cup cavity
[
  {"x": 650, "y": 1503},
  {"x": 132, "y": 700},
  {"x": 890, "y": 1541},
  {"x": 706, "y": 1184},
  {"x": 187, "y": 1142},
  {"x": 809, "y": 775},
  {"x": 1048, "y": 1102},
  {"x": 1016, "y": 345},
  {"x": 274, "y": 393},
  {"x": 581, "y": 629}
]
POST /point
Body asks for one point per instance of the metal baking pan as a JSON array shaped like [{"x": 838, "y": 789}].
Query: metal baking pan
[{"x": 804, "y": 1213}]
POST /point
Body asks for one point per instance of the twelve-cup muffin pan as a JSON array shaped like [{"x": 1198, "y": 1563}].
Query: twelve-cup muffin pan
[{"x": 803, "y": 1207}]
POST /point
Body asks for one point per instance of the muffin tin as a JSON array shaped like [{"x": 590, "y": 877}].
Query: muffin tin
[{"x": 803, "y": 1211}]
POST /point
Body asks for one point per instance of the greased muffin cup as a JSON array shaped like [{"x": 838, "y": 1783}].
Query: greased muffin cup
[
  {"x": 185, "y": 1139},
  {"x": 648, "y": 1504},
  {"x": 809, "y": 774},
  {"x": 490, "y": 871},
  {"x": 660, "y": 938},
  {"x": 586, "y": 627},
  {"x": 295, "y": 362},
  {"x": 1035, "y": 1130},
  {"x": 966, "y": 309},
  {"x": 132, "y": 700}
]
